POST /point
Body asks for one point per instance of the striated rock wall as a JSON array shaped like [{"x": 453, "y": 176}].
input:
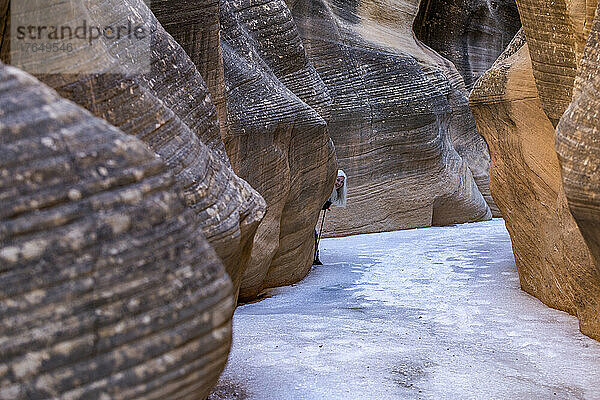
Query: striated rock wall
[
  {"x": 556, "y": 71},
  {"x": 578, "y": 144},
  {"x": 470, "y": 33},
  {"x": 195, "y": 27},
  {"x": 271, "y": 104},
  {"x": 108, "y": 287},
  {"x": 166, "y": 105},
  {"x": 556, "y": 33},
  {"x": 553, "y": 260},
  {"x": 399, "y": 119},
  {"x": 278, "y": 140}
]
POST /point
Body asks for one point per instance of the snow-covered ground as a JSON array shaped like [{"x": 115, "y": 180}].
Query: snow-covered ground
[{"x": 432, "y": 313}]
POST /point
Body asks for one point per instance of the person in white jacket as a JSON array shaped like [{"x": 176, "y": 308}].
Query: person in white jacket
[
  {"x": 337, "y": 198},
  {"x": 339, "y": 193}
]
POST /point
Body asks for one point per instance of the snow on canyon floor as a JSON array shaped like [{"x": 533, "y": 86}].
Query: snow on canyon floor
[{"x": 433, "y": 313}]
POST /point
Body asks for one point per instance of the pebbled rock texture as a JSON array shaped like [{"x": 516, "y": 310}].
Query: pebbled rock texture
[
  {"x": 399, "y": 119},
  {"x": 278, "y": 140},
  {"x": 470, "y": 33},
  {"x": 553, "y": 260},
  {"x": 108, "y": 289},
  {"x": 167, "y": 105}
]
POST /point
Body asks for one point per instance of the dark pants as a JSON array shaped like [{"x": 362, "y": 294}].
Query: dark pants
[{"x": 316, "y": 246}]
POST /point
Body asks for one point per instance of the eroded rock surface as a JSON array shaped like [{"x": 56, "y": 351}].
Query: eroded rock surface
[
  {"x": 553, "y": 77},
  {"x": 108, "y": 288},
  {"x": 151, "y": 89},
  {"x": 553, "y": 260},
  {"x": 470, "y": 33},
  {"x": 271, "y": 111},
  {"x": 278, "y": 141},
  {"x": 578, "y": 144},
  {"x": 195, "y": 26},
  {"x": 556, "y": 32},
  {"x": 399, "y": 119}
]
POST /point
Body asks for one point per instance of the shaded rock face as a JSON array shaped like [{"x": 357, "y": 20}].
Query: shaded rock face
[
  {"x": 169, "y": 108},
  {"x": 271, "y": 107},
  {"x": 195, "y": 26},
  {"x": 578, "y": 144},
  {"x": 109, "y": 289},
  {"x": 553, "y": 260},
  {"x": 278, "y": 141},
  {"x": 399, "y": 109},
  {"x": 470, "y": 33}
]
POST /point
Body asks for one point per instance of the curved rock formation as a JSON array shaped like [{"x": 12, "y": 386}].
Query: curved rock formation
[
  {"x": 151, "y": 89},
  {"x": 108, "y": 289},
  {"x": 274, "y": 120},
  {"x": 578, "y": 144},
  {"x": 195, "y": 26},
  {"x": 470, "y": 33},
  {"x": 552, "y": 258},
  {"x": 556, "y": 32},
  {"x": 399, "y": 109},
  {"x": 278, "y": 139}
]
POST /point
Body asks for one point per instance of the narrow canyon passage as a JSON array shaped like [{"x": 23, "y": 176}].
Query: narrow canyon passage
[{"x": 433, "y": 313}]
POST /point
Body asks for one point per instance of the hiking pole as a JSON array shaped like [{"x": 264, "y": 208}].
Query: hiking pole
[
  {"x": 316, "y": 260},
  {"x": 321, "y": 230}
]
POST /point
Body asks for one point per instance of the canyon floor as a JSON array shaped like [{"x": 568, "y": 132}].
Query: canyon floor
[{"x": 433, "y": 313}]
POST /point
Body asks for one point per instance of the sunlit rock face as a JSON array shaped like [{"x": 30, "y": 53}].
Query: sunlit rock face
[
  {"x": 562, "y": 48},
  {"x": 109, "y": 289},
  {"x": 553, "y": 260},
  {"x": 556, "y": 32},
  {"x": 578, "y": 144},
  {"x": 278, "y": 141},
  {"x": 152, "y": 90},
  {"x": 399, "y": 120},
  {"x": 470, "y": 33}
]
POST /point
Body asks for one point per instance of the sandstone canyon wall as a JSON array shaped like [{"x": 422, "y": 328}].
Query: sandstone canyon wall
[
  {"x": 556, "y": 33},
  {"x": 279, "y": 142},
  {"x": 578, "y": 144},
  {"x": 167, "y": 105},
  {"x": 399, "y": 119},
  {"x": 470, "y": 33},
  {"x": 272, "y": 112},
  {"x": 108, "y": 287},
  {"x": 565, "y": 68},
  {"x": 535, "y": 103},
  {"x": 552, "y": 258}
]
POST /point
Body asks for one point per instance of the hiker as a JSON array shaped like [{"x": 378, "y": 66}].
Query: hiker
[{"x": 337, "y": 198}]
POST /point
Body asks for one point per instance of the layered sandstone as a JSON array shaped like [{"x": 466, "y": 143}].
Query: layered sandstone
[
  {"x": 578, "y": 144},
  {"x": 195, "y": 27},
  {"x": 108, "y": 287},
  {"x": 277, "y": 136},
  {"x": 556, "y": 32},
  {"x": 271, "y": 104},
  {"x": 470, "y": 33},
  {"x": 553, "y": 260},
  {"x": 399, "y": 119},
  {"x": 564, "y": 85},
  {"x": 152, "y": 90}
]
